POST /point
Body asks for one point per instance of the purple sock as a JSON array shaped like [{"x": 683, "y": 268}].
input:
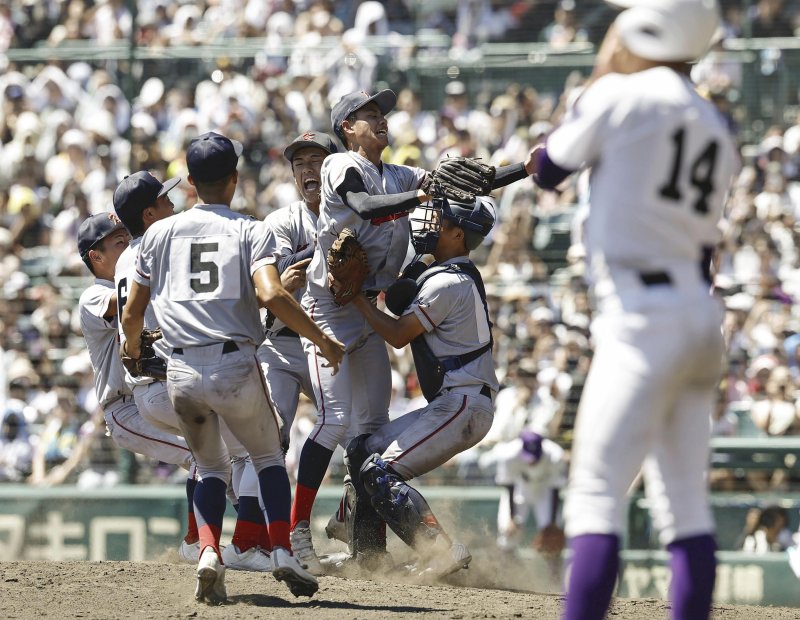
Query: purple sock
[
  {"x": 595, "y": 564},
  {"x": 694, "y": 569}
]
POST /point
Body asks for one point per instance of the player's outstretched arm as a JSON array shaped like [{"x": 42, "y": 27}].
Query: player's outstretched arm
[
  {"x": 272, "y": 295},
  {"x": 397, "y": 332},
  {"x": 133, "y": 319}
]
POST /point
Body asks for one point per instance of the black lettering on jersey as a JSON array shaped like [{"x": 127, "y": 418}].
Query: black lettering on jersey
[
  {"x": 122, "y": 296},
  {"x": 199, "y": 266},
  {"x": 701, "y": 175}
]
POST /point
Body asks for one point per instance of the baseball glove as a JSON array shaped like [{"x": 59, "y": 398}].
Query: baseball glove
[
  {"x": 550, "y": 541},
  {"x": 463, "y": 178},
  {"x": 348, "y": 267},
  {"x": 148, "y": 364}
]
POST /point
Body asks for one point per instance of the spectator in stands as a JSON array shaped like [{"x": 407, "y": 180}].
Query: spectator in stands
[
  {"x": 767, "y": 19},
  {"x": 564, "y": 28},
  {"x": 16, "y": 451},
  {"x": 771, "y": 533}
]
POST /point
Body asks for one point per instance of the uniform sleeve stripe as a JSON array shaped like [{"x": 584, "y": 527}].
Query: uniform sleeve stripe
[{"x": 143, "y": 275}]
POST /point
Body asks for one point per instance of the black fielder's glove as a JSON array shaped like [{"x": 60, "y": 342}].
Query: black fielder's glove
[
  {"x": 461, "y": 178},
  {"x": 148, "y": 364}
]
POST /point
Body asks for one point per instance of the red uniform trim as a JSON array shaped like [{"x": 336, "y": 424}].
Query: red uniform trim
[{"x": 424, "y": 439}]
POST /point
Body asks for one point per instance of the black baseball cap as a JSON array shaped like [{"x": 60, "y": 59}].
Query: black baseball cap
[
  {"x": 211, "y": 157},
  {"x": 307, "y": 139},
  {"x": 96, "y": 228},
  {"x": 138, "y": 191},
  {"x": 386, "y": 100}
]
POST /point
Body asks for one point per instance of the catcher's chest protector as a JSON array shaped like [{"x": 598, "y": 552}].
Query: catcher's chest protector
[{"x": 430, "y": 368}]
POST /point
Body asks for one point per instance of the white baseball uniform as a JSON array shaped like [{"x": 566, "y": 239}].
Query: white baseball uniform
[
  {"x": 125, "y": 424},
  {"x": 150, "y": 395},
  {"x": 450, "y": 309},
  {"x": 199, "y": 265},
  {"x": 282, "y": 357},
  {"x": 662, "y": 160},
  {"x": 359, "y": 393},
  {"x": 532, "y": 486}
]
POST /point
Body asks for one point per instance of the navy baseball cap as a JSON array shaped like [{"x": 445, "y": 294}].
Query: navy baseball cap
[
  {"x": 96, "y": 228},
  {"x": 386, "y": 100},
  {"x": 531, "y": 447},
  {"x": 211, "y": 157},
  {"x": 138, "y": 191},
  {"x": 310, "y": 139}
]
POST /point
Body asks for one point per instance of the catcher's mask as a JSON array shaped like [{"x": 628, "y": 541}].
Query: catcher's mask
[{"x": 476, "y": 219}]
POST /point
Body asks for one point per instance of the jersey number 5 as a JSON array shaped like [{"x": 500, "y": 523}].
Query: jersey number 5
[
  {"x": 199, "y": 266},
  {"x": 701, "y": 174}
]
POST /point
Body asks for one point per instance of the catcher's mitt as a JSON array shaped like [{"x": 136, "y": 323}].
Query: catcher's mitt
[
  {"x": 550, "y": 541},
  {"x": 461, "y": 178},
  {"x": 148, "y": 364},
  {"x": 348, "y": 267}
]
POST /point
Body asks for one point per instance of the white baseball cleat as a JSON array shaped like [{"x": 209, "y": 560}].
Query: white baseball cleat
[
  {"x": 448, "y": 562},
  {"x": 287, "y": 568},
  {"x": 210, "y": 578},
  {"x": 189, "y": 552},
  {"x": 254, "y": 559},
  {"x": 303, "y": 549}
]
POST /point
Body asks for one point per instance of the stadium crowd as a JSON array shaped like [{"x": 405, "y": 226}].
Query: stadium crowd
[{"x": 69, "y": 134}]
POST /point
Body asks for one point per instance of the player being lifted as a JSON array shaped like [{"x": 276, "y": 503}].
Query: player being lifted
[
  {"x": 662, "y": 161},
  {"x": 372, "y": 198}
]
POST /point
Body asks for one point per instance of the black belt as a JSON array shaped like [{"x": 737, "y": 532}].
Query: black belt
[
  {"x": 486, "y": 391},
  {"x": 229, "y": 347},
  {"x": 654, "y": 278},
  {"x": 285, "y": 332}
]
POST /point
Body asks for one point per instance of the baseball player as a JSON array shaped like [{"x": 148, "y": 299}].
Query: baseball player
[
  {"x": 444, "y": 316},
  {"x": 101, "y": 240},
  {"x": 140, "y": 200},
  {"x": 662, "y": 161},
  {"x": 282, "y": 358},
  {"x": 295, "y": 227},
  {"x": 532, "y": 471},
  {"x": 361, "y": 193},
  {"x": 208, "y": 269}
]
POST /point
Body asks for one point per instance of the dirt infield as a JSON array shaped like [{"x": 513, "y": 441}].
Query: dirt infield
[{"x": 156, "y": 590}]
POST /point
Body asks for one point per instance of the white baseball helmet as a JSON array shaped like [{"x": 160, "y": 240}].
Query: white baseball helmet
[{"x": 667, "y": 30}]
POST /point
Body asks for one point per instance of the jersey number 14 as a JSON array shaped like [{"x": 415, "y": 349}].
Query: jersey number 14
[{"x": 701, "y": 173}]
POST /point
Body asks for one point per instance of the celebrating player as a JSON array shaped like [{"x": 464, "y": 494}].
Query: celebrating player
[
  {"x": 295, "y": 228},
  {"x": 201, "y": 268},
  {"x": 281, "y": 354},
  {"x": 362, "y": 194},
  {"x": 662, "y": 160},
  {"x": 139, "y": 200},
  {"x": 101, "y": 240},
  {"x": 444, "y": 316}
]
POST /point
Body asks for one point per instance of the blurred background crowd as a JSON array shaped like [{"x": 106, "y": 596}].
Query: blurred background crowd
[{"x": 77, "y": 115}]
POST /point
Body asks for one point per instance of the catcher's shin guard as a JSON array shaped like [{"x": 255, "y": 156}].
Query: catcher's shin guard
[
  {"x": 365, "y": 528},
  {"x": 401, "y": 506}
]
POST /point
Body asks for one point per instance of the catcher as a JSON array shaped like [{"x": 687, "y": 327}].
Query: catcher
[
  {"x": 372, "y": 200},
  {"x": 445, "y": 319}
]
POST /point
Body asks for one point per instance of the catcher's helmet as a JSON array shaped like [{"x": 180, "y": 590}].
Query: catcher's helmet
[{"x": 476, "y": 219}]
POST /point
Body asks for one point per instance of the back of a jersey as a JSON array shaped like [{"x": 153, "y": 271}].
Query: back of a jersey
[
  {"x": 198, "y": 265},
  {"x": 662, "y": 161}
]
